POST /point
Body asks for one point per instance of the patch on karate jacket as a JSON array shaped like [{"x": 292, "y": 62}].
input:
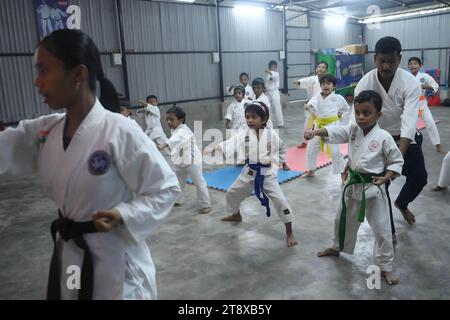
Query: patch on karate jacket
[
  {"x": 286, "y": 211},
  {"x": 374, "y": 146},
  {"x": 99, "y": 163}
]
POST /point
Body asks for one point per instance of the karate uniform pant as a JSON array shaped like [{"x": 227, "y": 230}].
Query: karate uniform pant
[
  {"x": 196, "y": 173},
  {"x": 430, "y": 125},
  {"x": 313, "y": 150},
  {"x": 377, "y": 215},
  {"x": 275, "y": 103},
  {"x": 241, "y": 189},
  {"x": 444, "y": 177}
]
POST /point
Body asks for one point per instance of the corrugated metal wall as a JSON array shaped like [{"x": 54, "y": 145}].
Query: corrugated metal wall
[
  {"x": 323, "y": 36},
  {"x": 249, "y": 43},
  {"x": 169, "y": 50},
  {"x": 418, "y": 36},
  {"x": 18, "y": 96}
]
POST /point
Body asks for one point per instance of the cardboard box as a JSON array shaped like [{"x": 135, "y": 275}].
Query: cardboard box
[{"x": 357, "y": 48}]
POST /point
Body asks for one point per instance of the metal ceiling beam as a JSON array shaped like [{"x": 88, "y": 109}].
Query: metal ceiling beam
[{"x": 443, "y": 2}]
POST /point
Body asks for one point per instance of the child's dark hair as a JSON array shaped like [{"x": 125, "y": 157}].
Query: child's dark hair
[
  {"x": 260, "y": 109},
  {"x": 239, "y": 88},
  {"x": 74, "y": 48},
  {"x": 258, "y": 81},
  {"x": 273, "y": 63},
  {"x": 328, "y": 78},
  {"x": 388, "y": 45},
  {"x": 152, "y": 96},
  {"x": 243, "y": 74},
  {"x": 323, "y": 62},
  {"x": 370, "y": 96},
  {"x": 178, "y": 112},
  {"x": 415, "y": 59}
]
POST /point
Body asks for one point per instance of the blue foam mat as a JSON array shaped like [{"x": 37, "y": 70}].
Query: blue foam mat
[{"x": 223, "y": 178}]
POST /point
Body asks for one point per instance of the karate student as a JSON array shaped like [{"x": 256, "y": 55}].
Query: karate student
[
  {"x": 258, "y": 86},
  {"x": 186, "y": 158},
  {"x": 400, "y": 92},
  {"x": 110, "y": 183},
  {"x": 264, "y": 152},
  {"x": 374, "y": 158},
  {"x": 327, "y": 108},
  {"x": 243, "y": 79},
  {"x": 272, "y": 84},
  {"x": 312, "y": 86},
  {"x": 444, "y": 176},
  {"x": 235, "y": 118},
  {"x": 153, "y": 120},
  {"x": 427, "y": 83}
]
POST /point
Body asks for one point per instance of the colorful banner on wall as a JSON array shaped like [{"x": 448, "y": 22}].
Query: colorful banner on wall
[
  {"x": 349, "y": 70},
  {"x": 53, "y": 15}
]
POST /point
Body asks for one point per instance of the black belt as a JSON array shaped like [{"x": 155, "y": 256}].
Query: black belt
[{"x": 68, "y": 230}]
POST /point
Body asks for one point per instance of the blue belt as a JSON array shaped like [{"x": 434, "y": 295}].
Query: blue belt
[{"x": 259, "y": 184}]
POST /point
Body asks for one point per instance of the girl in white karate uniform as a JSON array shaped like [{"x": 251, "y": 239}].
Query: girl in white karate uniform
[
  {"x": 186, "y": 158},
  {"x": 272, "y": 85},
  {"x": 327, "y": 109},
  {"x": 263, "y": 152},
  {"x": 374, "y": 158},
  {"x": 312, "y": 86},
  {"x": 427, "y": 83},
  {"x": 243, "y": 79},
  {"x": 153, "y": 120},
  {"x": 235, "y": 118},
  {"x": 444, "y": 176},
  {"x": 110, "y": 183}
]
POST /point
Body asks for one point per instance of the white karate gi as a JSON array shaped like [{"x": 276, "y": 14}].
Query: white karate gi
[
  {"x": 373, "y": 153},
  {"x": 236, "y": 115},
  {"x": 136, "y": 181},
  {"x": 187, "y": 160},
  {"x": 400, "y": 109},
  {"x": 312, "y": 86},
  {"x": 272, "y": 84},
  {"x": 430, "y": 125},
  {"x": 154, "y": 129},
  {"x": 270, "y": 149},
  {"x": 444, "y": 176},
  {"x": 264, "y": 99},
  {"x": 324, "y": 108}
]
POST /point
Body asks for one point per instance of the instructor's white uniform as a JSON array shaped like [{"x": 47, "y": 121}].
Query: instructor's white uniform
[
  {"x": 324, "y": 108},
  {"x": 373, "y": 153},
  {"x": 430, "y": 125},
  {"x": 109, "y": 164},
  {"x": 188, "y": 161},
  {"x": 272, "y": 85},
  {"x": 269, "y": 149}
]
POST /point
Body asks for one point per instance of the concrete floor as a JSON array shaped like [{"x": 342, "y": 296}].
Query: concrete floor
[{"x": 200, "y": 257}]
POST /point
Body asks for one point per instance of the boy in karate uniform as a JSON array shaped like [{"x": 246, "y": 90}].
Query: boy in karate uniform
[
  {"x": 374, "y": 158},
  {"x": 427, "y": 83},
  {"x": 272, "y": 84},
  {"x": 153, "y": 120}
]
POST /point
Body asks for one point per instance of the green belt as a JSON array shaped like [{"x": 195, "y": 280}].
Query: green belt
[{"x": 355, "y": 178}]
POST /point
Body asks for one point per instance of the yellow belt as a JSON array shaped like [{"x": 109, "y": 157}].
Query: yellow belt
[{"x": 321, "y": 123}]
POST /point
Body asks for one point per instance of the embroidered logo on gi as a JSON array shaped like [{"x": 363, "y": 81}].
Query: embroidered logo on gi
[
  {"x": 43, "y": 134},
  {"x": 99, "y": 163},
  {"x": 286, "y": 211},
  {"x": 422, "y": 79},
  {"x": 374, "y": 145},
  {"x": 247, "y": 139},
  {"x": 250, "y": 172}
]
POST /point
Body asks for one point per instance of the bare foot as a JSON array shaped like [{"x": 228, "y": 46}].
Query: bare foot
[
  {"x": 394, "y": 238},
  {"x": 204, "y": 210},
  {"x": 407, "y": 215},
  {"x": 438, "y": 188},
  {"x": 328, "y": 252},
  {"x": 302, "y": 145},
  {"x": 391, "y": 278},
  {"x": 308, "y": 174},
  {"x": 236, "y": 217}
]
